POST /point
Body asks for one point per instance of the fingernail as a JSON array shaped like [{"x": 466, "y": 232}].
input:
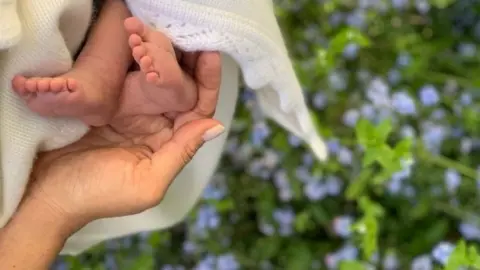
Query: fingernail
[{"x": 213, "y": 133}]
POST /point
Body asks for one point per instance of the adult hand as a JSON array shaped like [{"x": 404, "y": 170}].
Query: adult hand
[
  {"x": 119, "y": 169},
  {"x": 126, "y": 167}
]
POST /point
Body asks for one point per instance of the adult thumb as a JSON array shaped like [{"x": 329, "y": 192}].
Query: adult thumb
[{"x": 176, "y": 153}]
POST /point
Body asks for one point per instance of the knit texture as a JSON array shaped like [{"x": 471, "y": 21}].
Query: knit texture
[
  {"x": 248, "y": 31},
  {"x": 10, "y": 27},
  {"x": 45, "y": 49},
  {"x": 52, "y": 31}
]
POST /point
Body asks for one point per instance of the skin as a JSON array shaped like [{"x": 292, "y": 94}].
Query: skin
[
  {"x": 131, "y": 163},
  {"x": 91, "y": 89}
]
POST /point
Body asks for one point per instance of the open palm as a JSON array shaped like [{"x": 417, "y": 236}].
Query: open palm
[{"x": 126, "y": 167}]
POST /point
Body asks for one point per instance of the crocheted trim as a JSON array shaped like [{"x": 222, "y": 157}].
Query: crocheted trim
[{"x": 259, "y": 68}]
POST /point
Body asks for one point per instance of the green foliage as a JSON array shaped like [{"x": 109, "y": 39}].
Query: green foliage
[{"x": 403, "y": 193}]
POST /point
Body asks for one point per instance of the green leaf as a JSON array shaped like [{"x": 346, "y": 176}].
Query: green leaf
[
  {"x": 381, "y": 177},
  {"x": 471, "y": 120},
  {"x": 302, "y": 222},
  {"x": 369, "y": 207},
  {"x": 319, "y": 214},
  {"x": 346, "y": 36},
  {"x": 364, "y": 130},
  {"x": 386, "y": 156},
  {"x": 367, "y": 229},
  {"x": 473, "y": 257},
  {"x": 359, "y": 185},
  {"x": 280, "y": 141},
  {"x": 458, "y": 257},
  {"x": 441, "y": 3},
  {"x": 266, "y": 248},
  {"x": 144, "y": 261},
  {"x": 352, "y": 265},
  {"x": 223, "y": 206},
  {"x": 324, "y": 61},
  {"x": 421, "y": 209},
  {"x": 403, "y": 148},
  {"x": 299, "y": 257},
  {"x": 383, "y": 130},
  {"x": 369, "y": 158},
  {"x": 436, "y": 232}
]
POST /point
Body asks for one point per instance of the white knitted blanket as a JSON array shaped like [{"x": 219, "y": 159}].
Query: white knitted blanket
[{"x": 52, "y": 30}]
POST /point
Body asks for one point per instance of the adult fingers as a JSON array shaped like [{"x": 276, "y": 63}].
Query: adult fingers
[
  {"x": 157, "y": 173},
  {"x": 207, "y": 75},
  {"x": 189, "y": 62}
]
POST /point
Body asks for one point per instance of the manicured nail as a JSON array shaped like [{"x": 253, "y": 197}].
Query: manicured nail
[{"x": 213, "y": 133}]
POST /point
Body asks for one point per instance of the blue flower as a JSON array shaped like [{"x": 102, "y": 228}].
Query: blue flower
[
  {"x": 403, "y": 103},
  {"x": 342, "y": 226},
  {"x": 423, "y": 262},
  {"x": 285, "y": 218},
  {"x": 227, "y": 262},
  {"x": 466, "y": 99},
  {"x": 351, "y": 117},
  {"x": 351, "y": 51},
  {"x": 452, "y": 180},
  {"x": 466, "y": 145},
  {"x": 213, "y": 192},
  {"x": 423, "y": 6},
  {"x": 189, "y": 247},
  {"x": 333, "y": 185},
  {"x": 303, "y": 174},
  {"x": 433, "y": 136},
  {"x": 394, "y": 75},
  {"x": 408, "y": 132},
  {"x": 467, "y": 49},
  {"x": 281, "y": 181},
  {"x": 345, "y": 156},
  {"x": 319, "y": 101},
  {"x": 337, "y": 80},
  {"x": 308, "y": 159},
  {"x": 442, "y": 251},
  {"x": 207, "y": 263},
  {"x": 469, "y": 231},
  {"x": 294, "y": 140},
  {"x": 429, "y": 95},
  {"x": 314, "y": 190},
  {"x": 336, "y": 18},
  {"x": 266, "y": 228},
  {"x": 400, "y": 4},
  {"x": 378, "y": 93},
  {"x": 403, "y": 59},
  {"x": 356, "y": 19},
  {"x": 368, "y": 111},
  {"x": 391, "y": 262},
  {"x": 207, "y": 218},
  {"x": 333, "y": 146},
  {"x": 260, "y": 132}
]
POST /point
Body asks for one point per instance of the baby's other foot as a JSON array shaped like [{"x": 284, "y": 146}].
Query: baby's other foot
[
  {"x": 152, "y": 51},
  {"x": 48, "y": 96},
  {"x": 155, "y": 56}
]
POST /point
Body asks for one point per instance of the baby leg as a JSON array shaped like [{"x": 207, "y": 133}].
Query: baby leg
[
  {"x": 90, "y": 90},
  {"x": 160, "y": 85}
]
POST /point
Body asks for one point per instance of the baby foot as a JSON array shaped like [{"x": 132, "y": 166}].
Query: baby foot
[
  {"x": 65, "y": 95},
  {"x": 163, "y": 77},
  {"x": 48, "y": 96}
]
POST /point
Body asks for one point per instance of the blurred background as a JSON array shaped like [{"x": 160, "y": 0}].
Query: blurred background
[{"x": 394, "y": 87}]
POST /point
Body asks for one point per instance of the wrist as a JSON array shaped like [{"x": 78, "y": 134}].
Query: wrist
[
  {"x": 34, "y": 236},
  {"x": 42, "y": 217}
]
